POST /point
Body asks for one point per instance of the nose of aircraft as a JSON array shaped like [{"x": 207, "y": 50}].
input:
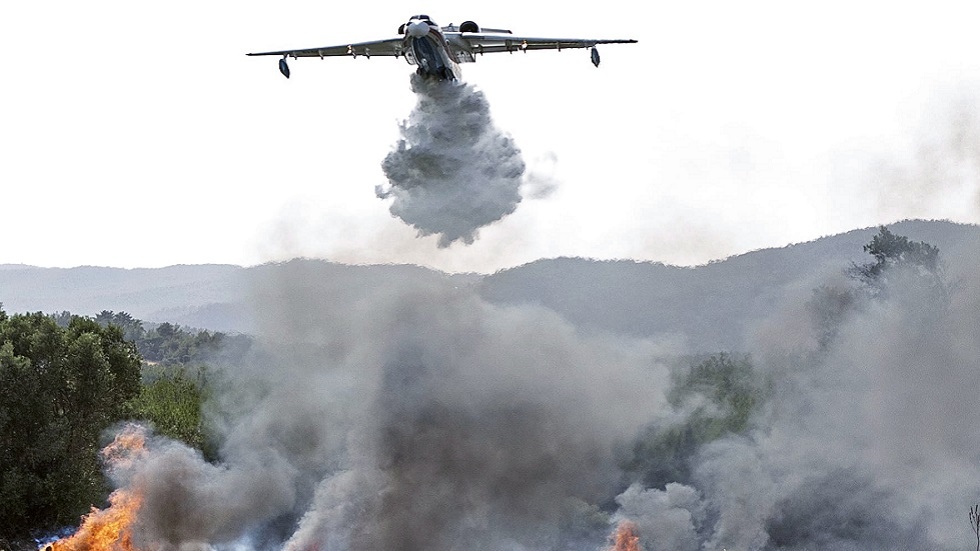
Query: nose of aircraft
[{"x": 417, "y": 29}]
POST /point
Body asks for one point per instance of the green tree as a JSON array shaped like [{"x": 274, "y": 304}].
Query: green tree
[
  {"x": 897, "y": 255},
  {"x": 60, "y": 388},
  {"x": 895, "y": 258},
  {"x": 62, "y": 318},
  {"x": 173, "y": 393},
  {"x": 132, "y": 328},
  {"x": 172, "y": 345},
  {"x": 730, "y": 392},
  {"x": 172, "y": 400},
  {"x": 731, "y": 384}
]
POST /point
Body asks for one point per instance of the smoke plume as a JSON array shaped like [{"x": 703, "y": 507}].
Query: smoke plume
[
  {"x": 424, "y": 418},
  {"x": 452, "y": 172},
  {"x": 419, "y": 419},
  {"x": 868, "y": 442}
]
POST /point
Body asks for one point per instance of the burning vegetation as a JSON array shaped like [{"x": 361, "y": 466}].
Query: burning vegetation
[
  {"x": 626, "y": 537},
  {"x": 111, "y": 529}
]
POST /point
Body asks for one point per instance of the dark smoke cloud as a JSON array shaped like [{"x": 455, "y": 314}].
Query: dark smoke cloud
[
  {"x": 188, "y": 501},
  {"x": 821, "y": 514},
  {"x": 481, "y": 426},
  {"x": 420, "y": 418},
  {"x": 452, "y": 172}
]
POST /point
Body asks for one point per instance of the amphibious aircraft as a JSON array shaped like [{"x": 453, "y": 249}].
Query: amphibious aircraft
[{"x": 438, "y": 51}]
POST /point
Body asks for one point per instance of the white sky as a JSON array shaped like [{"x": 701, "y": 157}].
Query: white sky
[{"x": 138, "y": 134}]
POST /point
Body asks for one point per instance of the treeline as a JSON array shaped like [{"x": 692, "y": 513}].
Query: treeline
[
  {"x": 66, "y": 379},
  {"x": 171, "y": 344}
]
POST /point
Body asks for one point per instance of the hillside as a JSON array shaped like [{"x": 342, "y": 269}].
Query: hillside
[
  {"x": 202, "y": 296},
  {"x": 710, "y": 306},
  {"x": 210, "y": 296}
]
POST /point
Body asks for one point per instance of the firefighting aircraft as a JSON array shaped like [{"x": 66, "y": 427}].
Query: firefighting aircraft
[{"x": 438, "y": 51}]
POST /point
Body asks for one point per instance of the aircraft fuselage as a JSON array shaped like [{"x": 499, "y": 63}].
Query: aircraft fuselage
[{"x": 426, "y": 47}]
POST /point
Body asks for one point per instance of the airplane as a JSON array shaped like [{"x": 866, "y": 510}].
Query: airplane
[{"x": 438, "y": 51}]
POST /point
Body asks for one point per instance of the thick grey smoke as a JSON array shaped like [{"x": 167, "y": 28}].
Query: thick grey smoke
[
  {"x": 868, "y": 443},
  {"x": 452, "y": 172},
  {"x": 672, "y": 516},
  {"x": 422, "y": 417},
  {"x": 188, "y": 501},
  {"x": 419, "y": 419}
]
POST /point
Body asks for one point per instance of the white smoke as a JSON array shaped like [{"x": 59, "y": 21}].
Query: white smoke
[
  {"x": 672, "y": 516},
  {"x": 452, "y": 172},
  {"x": 869, "y": 443}
]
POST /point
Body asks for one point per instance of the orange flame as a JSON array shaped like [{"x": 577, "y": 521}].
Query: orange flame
[
  {"x": 105, "y": 530},
  {"x": 626, "y": 537},
  {"x": 111, "y": 529}
]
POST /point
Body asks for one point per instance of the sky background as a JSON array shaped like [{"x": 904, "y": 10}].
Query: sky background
[{"x": 138, "y": 134}]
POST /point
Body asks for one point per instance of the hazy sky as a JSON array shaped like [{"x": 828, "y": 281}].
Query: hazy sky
[{"x": 138, "y": 134}]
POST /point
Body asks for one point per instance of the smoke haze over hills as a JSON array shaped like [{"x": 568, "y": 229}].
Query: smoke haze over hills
[
  {"x": 425, "y": 419},
  {"x": 710, "y": 306},
  {"x": 423, "y": 411}
]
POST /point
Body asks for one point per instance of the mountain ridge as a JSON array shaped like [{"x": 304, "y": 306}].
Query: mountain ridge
[{"x": 709, "y": 305}]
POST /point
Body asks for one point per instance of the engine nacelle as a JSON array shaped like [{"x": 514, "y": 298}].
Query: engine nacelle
[{"x": 469, "y": 27}]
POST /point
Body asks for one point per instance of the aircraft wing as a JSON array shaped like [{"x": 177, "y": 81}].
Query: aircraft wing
[
  {"x": 488, "y": 43},
  {"x": 389, "y": 47}
]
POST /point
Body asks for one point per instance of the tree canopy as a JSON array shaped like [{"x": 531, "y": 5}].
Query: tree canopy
[
  {"x": 895, "y": 258},
  {"x": 65, "y": 380},
  {"x": 896, "y": 253},
  {"x": 170, "y": 344},
  {"x": 60, "y": 388},
  {"x": 728, "y": 391}
]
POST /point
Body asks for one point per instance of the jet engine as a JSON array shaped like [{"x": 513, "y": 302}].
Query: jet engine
[
  {"x": 469, "y": 27},
  {"x": 401, "y": 29}
]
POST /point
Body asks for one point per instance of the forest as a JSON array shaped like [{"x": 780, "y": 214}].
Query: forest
[{"x": 64, "y": 381}]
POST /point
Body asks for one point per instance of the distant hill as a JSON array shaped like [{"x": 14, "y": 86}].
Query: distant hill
[
  {"x": 199, "y": 296},
  {"x": 177, "y": 293},
  {"x": 709, "y": 305}
]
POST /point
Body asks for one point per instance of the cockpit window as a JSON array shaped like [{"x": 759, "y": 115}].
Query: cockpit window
[{"x": 423, "y": 18}]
